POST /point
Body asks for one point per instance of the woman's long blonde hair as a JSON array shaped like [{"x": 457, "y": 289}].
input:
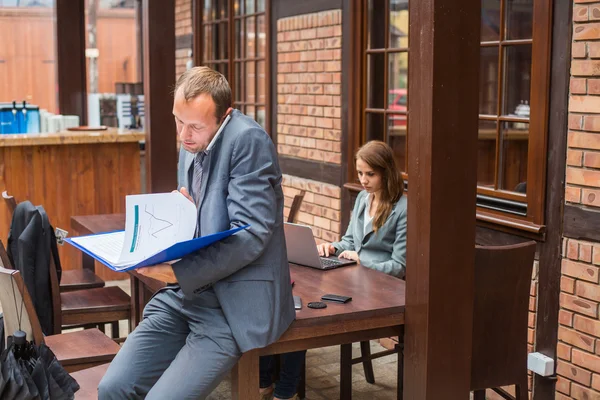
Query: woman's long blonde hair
[{"x": 380, "y": 157}]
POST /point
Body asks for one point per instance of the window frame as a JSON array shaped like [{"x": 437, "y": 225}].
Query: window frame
[
  {"x": 198, "y": 51},
  {"x": 494, "y": 207}
]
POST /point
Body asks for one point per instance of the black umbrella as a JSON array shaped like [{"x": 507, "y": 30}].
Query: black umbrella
[{"x": 32, "y": 372}]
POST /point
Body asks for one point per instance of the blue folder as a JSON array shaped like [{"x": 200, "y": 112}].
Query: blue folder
[{"x": 178, "y": 250}]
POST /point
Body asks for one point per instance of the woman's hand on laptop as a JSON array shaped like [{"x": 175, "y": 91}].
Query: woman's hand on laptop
[
  {"x": 349, "y": 255},
  {"x": 325, "y": 249}
]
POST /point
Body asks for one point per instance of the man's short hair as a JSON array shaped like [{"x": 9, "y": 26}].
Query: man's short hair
[{"x": 199, "y": 80}]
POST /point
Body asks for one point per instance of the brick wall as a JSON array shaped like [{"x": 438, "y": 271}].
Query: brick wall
[
  {"x": 309, "y": 112},
  {"x": 320, "y": 208},
  {"x": 183, "y": 26},
  {"x": 578, "y": 349},
  {"x": 309, "y": 85}
]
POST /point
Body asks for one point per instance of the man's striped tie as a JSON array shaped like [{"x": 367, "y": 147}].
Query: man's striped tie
[{"x": 197, "y": 179}]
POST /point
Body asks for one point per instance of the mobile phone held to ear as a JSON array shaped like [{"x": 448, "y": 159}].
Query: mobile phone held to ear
[{"x": 297, "y": 303}]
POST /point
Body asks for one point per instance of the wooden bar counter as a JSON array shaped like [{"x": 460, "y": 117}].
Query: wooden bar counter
[{"x": 70, "y": 173}]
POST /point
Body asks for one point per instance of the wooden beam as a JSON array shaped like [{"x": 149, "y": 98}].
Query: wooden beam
[
  {"x": 546, "y": 332},
  {"x": 581, "y": 223},
  {"x": 70, "y": 53},
  {"x": 442, "y": 164},
  {"x": 159, "y": 77},
  {"x": 313, "y": 170}
]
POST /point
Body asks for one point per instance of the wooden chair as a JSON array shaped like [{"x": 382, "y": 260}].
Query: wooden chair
[
  {"x": 78, "y": 279},
  {"x": 88, "y": 307},
  {"x": 296, "y": 203},
  {"x": 89, "y": 380},
  {"x": 74, "y": 350},
  {"x": 500, "y": 319}
]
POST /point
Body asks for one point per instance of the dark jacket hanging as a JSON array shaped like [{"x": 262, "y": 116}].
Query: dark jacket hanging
[{"x": 31, "y": 243}]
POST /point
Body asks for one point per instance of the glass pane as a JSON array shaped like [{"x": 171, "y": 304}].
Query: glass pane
[
  {"x": 208, "y": 44},
  {"x": 223, "y": 42},
  {"x": 398, "y": 24},
  {"x": 27, "y": 66},
  {"x": 112, "y": 76},
  {"x": 260, "y": 6},
  {"x": 224, "y": 69},
  {"x": 375, "y": 25},
  {"x": 517, "y": 80},
  {"x": 238, "y": 7},
  {"x": 239, "y": 38},
  {"x": 519, "y": 19},
  {"x": 222, "y": 11},
  {"x": 396, "y": 138},
  {"x": 374, "y": 128},
  {"x": 514, "y": 142},
  {"x": 486, "y": 153},
  {"x": 238, "y": 79},
  {"x": 488, "y": 81},
  {"x": 262, "y": 37},
  {"x": 397, "y": 81},
  {"x": 249, "y": 7},
  {"x": 261, "y": 116},
  {"x": 250, "y": 112},
  {"x": 250, "y": 79},
  {"x": 490, "y": 20},
  {"x": 250, "y": 38},
  {"x": 375, "y": 81},
  {"x": 207, "y": 12},
  {"x": 262, "y": 83}
]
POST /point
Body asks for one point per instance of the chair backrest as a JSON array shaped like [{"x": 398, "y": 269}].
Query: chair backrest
[
  {"x": 17, "y": 306},
  {"x": 4, "y": 258},
  {"x": 10, "y": 201},
  {"x": 54, "y": 287},
  {"x": 296, "y": 203},
  {"x": 500, "y": 314}
]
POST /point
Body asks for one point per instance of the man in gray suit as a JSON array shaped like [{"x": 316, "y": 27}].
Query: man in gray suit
[{"x": 233, "y": 296}]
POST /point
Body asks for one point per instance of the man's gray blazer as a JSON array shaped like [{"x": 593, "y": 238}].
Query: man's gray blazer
[
  {"x": 384, "y": 250},
  {"x": 249, "y": 271}
]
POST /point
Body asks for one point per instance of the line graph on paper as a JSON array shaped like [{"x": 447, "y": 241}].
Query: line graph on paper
[{"x": 159, "y": 228}]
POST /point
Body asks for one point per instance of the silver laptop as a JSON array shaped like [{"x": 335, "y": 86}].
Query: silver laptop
[{"x": 302, "y": 249}]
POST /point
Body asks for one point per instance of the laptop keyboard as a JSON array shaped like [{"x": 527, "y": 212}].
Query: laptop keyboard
[{"x": 327, "y": 262}]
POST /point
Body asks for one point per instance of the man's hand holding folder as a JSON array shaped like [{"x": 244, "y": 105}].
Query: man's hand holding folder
[{"x": 159, "y": 228}]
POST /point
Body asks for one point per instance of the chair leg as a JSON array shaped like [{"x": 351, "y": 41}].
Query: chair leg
[
  {"x": 114, "y": 327},
  {"x": 346, "y": 371},
  {"x": 522, "y": 391},
  {"x": 479, "y": 394},
  {"x": 400, "y": 348},
  {"x": 365, "y": 353},
  {"x": 101, "y": 328}
]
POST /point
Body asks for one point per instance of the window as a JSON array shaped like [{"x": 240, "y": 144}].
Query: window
[
  {"x": 27, "y": 63},
  {"x": 512, "y": 103},
  {"x": 234, "y": 42},
  {"x": 113, "y": 61}
]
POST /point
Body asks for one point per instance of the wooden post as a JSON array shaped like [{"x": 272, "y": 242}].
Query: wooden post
[
  {"x": 159, "y": 78},
  {"x": 442, "y": 166},
  {"x": 70, "y": 55}
]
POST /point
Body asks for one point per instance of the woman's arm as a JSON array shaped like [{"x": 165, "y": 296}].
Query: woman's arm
[
  {"x": 396, "y": 266},
  {"x": 347, "y": 242}
]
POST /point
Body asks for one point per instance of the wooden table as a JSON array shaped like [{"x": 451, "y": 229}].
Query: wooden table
[{"x": 376, "y": 310}]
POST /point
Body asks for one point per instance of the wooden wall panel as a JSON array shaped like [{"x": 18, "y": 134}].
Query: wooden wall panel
[{"x": 68, "y": 180}]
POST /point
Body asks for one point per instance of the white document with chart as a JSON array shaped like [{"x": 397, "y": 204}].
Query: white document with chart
[{"x": 158, "y": 228}]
